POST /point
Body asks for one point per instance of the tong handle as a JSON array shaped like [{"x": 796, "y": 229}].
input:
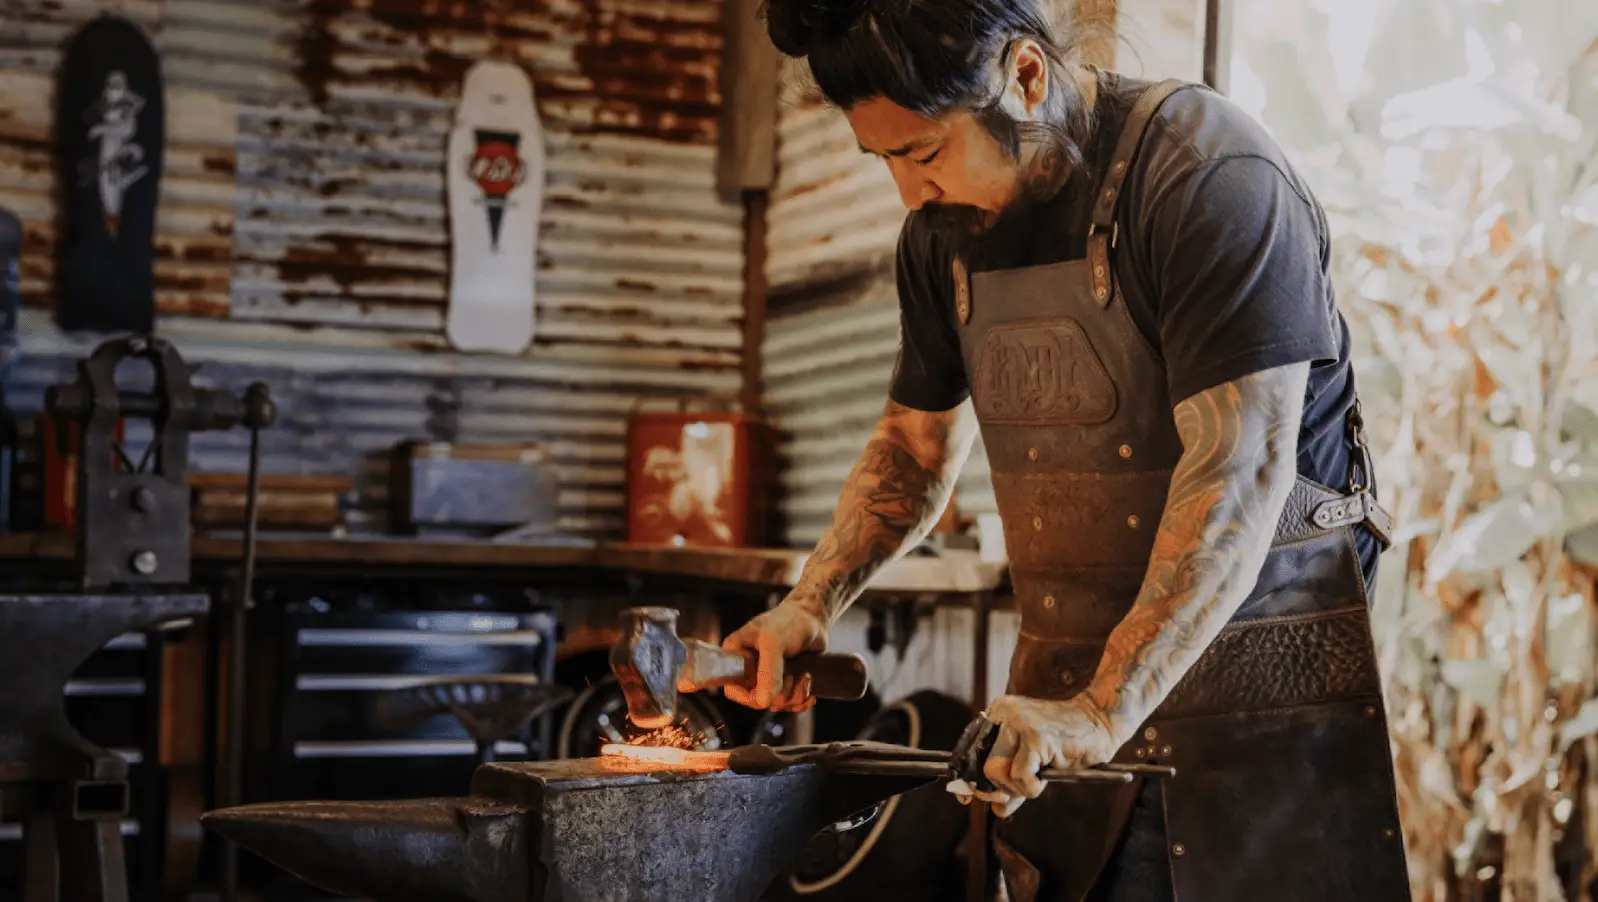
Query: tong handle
[{"x": 976, "y": 743}]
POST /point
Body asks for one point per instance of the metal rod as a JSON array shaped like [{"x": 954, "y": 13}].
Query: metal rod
[
  {"x": 936, "y": 770},
  {"x": 232, "y": 787}
]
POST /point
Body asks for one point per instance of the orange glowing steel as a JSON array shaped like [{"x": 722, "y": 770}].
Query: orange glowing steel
[{"x": 668, "y": 756}]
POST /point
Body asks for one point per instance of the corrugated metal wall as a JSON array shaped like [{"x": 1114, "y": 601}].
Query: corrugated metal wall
[
  {"x": 302, "y": 231},
  {"x": 834, "y": 331}
]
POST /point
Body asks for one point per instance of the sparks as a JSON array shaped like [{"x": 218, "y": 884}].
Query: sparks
[{"x": 672, "y": 737}]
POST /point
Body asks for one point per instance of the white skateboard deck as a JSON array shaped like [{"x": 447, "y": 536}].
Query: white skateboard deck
[{"x": 495, "y": 183}]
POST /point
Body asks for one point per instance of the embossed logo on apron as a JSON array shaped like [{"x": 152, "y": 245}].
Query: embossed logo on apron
[{"x": 1041, "y": 372}]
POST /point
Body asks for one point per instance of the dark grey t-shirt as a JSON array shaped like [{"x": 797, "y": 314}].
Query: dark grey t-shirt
[{"x": 1227, "y": 245}]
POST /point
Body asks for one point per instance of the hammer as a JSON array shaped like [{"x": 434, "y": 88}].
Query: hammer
[{"x": 649, "y": 661}]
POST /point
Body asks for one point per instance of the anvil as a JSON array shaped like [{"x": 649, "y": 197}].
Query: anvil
[{"x": 574, "y": 830}]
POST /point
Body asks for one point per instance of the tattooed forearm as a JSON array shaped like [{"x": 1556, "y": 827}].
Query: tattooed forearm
[
  {"x": 1239, "y": 461},
  {"x": 891, "y": 499}
]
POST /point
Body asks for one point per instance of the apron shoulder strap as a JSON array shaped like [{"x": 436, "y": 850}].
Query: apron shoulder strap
[{"x": 1126, "y": 147}]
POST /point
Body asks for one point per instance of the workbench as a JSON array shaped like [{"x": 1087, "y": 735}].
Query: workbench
[{"x": 951, "y": 572}]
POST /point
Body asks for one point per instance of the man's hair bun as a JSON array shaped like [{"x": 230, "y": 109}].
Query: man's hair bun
[{"x": 796, "y": 25}]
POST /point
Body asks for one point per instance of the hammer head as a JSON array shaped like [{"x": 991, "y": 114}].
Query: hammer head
[{"x": 647, "y": 661}]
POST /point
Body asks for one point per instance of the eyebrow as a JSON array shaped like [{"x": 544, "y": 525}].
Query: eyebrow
[{"x": 920, "y": 144}]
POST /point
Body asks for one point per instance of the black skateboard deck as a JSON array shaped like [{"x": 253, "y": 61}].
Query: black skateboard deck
[{"x": 110, "y": 137}]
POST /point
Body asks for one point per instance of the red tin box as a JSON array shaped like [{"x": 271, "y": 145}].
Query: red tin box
[
  {"x": 698, "y": 478},
  {"x": 59, "y": 452}
]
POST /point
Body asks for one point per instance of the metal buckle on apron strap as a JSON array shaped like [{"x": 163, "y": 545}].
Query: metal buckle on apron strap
[
  {"x": 1359, "y": 506},
  {"x": 1115, "y": 231}
]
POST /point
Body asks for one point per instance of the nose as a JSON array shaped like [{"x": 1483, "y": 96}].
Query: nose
[{"x": 915, "y": 190}]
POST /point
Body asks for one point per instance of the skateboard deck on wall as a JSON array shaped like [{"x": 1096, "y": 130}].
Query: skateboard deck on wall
[
  {"x": 110, "y": 140},
  {"x": 495, "y": 184}
]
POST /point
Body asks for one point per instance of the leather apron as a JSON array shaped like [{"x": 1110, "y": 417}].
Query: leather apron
[{"x": 1284, "y": 786}]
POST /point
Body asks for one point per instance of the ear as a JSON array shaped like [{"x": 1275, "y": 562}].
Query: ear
[{"x": 1027, "y": 81}]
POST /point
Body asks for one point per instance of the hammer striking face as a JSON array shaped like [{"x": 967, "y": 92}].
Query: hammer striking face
[{"x": 647, "y": 662}]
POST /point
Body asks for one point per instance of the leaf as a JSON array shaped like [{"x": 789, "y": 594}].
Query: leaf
[
  {"x": 1501, "y": 532},
  {"x": 1514, "y": 456},
  {"x": 1479, "y": 681},
  {"x": 1584, "y": 724},
  {"x": 1570, "y": 639},
  {"x": 1580, "y": 500},
  {"x": 1580, "y": 423},
  {"x": 1582, "y": 546}
]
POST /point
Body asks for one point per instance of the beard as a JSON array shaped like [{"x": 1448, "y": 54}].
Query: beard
[{"x": 995, "y": 241}]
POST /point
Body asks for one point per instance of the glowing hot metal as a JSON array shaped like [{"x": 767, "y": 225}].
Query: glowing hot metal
[{"x": 672, "y": 757}]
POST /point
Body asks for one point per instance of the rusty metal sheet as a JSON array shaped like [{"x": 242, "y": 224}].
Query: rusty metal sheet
[
  {"x": 302, "y": 236},
  {"x": 828, "y": 361},
  {"x": 834, "y": 209}
]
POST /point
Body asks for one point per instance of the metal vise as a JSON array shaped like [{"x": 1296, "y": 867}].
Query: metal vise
[
  {"x": 575, "y": 830},
  {"x": 133, "y": 519}
]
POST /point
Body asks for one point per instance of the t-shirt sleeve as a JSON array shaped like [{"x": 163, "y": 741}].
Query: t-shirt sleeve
[
  {"x": 929, "y": 373},
  {"x": 1236, "y": 256}
]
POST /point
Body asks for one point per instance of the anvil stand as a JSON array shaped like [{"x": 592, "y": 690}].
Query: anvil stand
[{"x": 132, "y": 565}]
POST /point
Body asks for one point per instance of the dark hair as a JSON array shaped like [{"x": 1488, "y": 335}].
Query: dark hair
[
  {"x": 937, "y": 56},
  {"x": 929, "y": 56}
]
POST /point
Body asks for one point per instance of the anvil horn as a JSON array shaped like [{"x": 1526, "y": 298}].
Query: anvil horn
[{"x": 426, "y": 850}]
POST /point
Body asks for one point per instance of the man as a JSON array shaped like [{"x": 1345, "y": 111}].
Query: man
[{"x": 1125, "y": 287}]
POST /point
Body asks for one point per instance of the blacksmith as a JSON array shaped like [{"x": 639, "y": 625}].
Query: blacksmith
[{"x": 1124, "y": 286}]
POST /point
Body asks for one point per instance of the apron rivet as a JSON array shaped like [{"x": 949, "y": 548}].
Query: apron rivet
[
  {"x": 1179, "y": 850},
  {"x": 1120, "y": 167},
  {"x": 1048, "y": 601},
  {"x": 1126, "y": 450},
  {"x": 1388, "y": 832},
  {"x": 1149, "y": 734},
  {"x": 1133, "y": 521},
  {"x": 1031, "y": 454},
  {"x": 1099, "y": 293},
  {"x": 1165, "y": 750},
  {"x": 1037, "y": 523},
  {"x": 1109, "y": 194},
  {"x": 1098, "y": 272},
  {"x": 1370, "y": 710},
  {"x": 1142, "y": 753}
]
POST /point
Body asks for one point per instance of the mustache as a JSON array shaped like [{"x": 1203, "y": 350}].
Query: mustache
[
  {"x": 956, "y": 220},
  {"x": 980, "y": 237}
]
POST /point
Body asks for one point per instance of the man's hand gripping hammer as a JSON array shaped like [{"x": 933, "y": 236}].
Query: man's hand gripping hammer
[{"x": 650, "y": 662}]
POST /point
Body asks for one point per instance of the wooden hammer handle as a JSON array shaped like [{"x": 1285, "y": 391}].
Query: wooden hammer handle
[{"x": 832, "y": 675}]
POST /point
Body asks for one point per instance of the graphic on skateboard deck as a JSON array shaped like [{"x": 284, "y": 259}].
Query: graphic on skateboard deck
[
  {"x": 495, "y": 182},
  {"x": 110, "y": 139}
]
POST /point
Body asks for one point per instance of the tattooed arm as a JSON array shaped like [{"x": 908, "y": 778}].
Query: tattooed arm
[
  {"x": 892, "y": 498},
  {"x": 1238, "y": 464}
]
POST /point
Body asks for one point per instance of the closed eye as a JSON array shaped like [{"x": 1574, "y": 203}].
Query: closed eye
[{"x": 930, "y": 157}]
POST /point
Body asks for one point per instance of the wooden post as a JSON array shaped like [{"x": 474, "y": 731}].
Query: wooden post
[
  {"x": 747, "y": 136},
  {"x": 1217, "y": 43},
  {"x": 754, "y": 298},
  {"x": 746, "y": 164}
]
